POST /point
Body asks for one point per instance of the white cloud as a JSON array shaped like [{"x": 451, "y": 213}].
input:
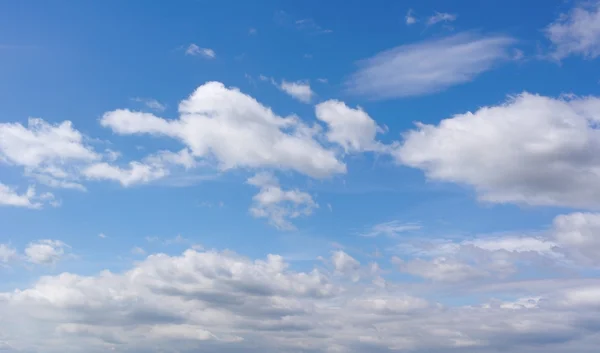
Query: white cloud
[
  {"x": 429, "y": 66},
  {"x": 152, "y": 167},
  {"x": 49, "y": 152},
  {"x": 353, "y": 129},
  {"x": 345, "y": 264},
  {"x": 195, "y": 50},
  {"x": 135, "y": 173},
  {"x": 300, "y": 90},
  {"x": 578, "y": 234},
  {"x": 215, "y": 120},
  {"x": 391, "y": 229},
  {"x": 45, "y": 252},
  {"x": 515, "y": 244},
  {"x": 441, "y": 17},
  {"x": 151, "y": 103},
  {"x": 223, "y": 302},
  {"x": 441, "y": 269},
  {"x": 531, "y": 150},
  {"x": 7, "y": 254},
  {"x": 10, "y": 197},
  {"x": 279, "y": 205},
  {"x": 102, "y": 236},
  {"x": 410, "y": 18},
  {"x": 577, "y": 33}
]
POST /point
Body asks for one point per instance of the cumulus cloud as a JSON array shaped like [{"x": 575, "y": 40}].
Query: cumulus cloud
[
  {"x": 221, "y": 301},
  {"x": 277, "y": 205},
  {"x": 195, "y": 50},
  {"x": 578, "y": 234},
  {"x": 532, "y": 150},
  {"x": 49, "y": 152},
  {"x": 429, "y": 66},
  {"x": 45, "y": 252},
  {"x": 10, "y": 197},
  {"x": 577, "y": 32},
  {"x": 353, "y": 129},
  {"x": 215, "y": 120},
  {"x": 300, "y": 90}
]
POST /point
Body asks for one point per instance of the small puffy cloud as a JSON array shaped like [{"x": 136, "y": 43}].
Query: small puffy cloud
[
  {"x": 215, "y": 120},
  {"x": 429, "y": 66},
  {"x": 410, "y": 18},
  {"x": 45, "y": 252},
  {"x": 300, "y": 90},
  {"x": 29, "y": 199},
  {"x": 277, "y": 205},
  {"x": 353, "y": 129},
  {"x": 576, "y": 33},
  {"x": 135, "y": 173},
  {"x": 531, "y": 150},
  {"x": 195, "y": 50},
  {"x": 440, "y": 17}
]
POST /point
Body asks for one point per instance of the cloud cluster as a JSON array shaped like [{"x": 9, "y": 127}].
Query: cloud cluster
[
  {"x": 42, "y": 252},
  {"x": 279, "y": 205},
  {"x": 220, "y": 301},
  {"x": 236, "y": 130}
]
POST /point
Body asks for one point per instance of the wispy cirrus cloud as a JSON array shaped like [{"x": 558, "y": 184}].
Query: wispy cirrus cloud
[{"x": 429, "y": 66}]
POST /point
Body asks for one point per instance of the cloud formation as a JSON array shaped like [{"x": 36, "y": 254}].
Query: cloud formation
[
  {"x": 429, "y": 66},
  {"x": 532, "y": 150}
]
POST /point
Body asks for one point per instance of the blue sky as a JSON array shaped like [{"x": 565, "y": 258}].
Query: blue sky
[{"x": 421, "y": 160}]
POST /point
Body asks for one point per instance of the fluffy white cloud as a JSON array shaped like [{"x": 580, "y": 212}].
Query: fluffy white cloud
[
  {"x": 531, "y": 150},
  {"x": 578, "y": 234},
  {"x": 441, "y": 17},
  {"x": 48, "y": 152},
  {"x": 195, "y": 50},
  {"x": 223, "y": 302},
  {"x": 215, "y": 121},
  {"x": 10, "y": 197},
  {"x": 279, "y": 205},
  {"x": 45, "y": 252},
  {"x": 353, "y": 129},
  {"x": 577, "y": 33},
  {"x": 300, "y": 90},
  {"x": 343, "y": 262},
  {"x": 430, "y": 66}
]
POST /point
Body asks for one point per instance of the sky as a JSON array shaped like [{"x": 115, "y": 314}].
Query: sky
[{"x": 286, "y": 176}]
